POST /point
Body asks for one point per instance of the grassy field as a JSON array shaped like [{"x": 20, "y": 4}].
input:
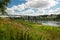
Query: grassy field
[{"x": 25, "y": 30}]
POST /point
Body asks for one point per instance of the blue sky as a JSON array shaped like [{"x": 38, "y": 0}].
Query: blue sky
[
  {"x": 16, "y": 2},
  {"x": 33, "y": 7}
]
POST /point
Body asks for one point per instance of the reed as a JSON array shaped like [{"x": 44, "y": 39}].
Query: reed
[{"x": 24, "y": 30}]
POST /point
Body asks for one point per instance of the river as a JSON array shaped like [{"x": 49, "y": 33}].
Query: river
[{"x": 51, "y": 23}]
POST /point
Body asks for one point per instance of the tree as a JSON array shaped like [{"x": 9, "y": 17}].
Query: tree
[
  {"x": 3, "y": 5},
  {"x": 58, "y": 16}
]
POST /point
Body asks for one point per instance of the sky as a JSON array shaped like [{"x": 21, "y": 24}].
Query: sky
[{"x": 33, "y": 7}]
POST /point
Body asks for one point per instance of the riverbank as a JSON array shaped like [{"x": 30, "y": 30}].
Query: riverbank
[{"x": 24, "y": 30}]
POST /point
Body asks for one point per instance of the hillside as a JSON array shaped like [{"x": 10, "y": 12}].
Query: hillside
[{"x": 24, "y": 30}]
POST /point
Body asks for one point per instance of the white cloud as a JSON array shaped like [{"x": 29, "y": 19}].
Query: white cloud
[
  {"x": 58, "y": 0},
  {"x": 31, "y": 12},
  {"x": 40, "y": 3},
  {"x": 28, "y": 12},
  {"x": 10, "y": 10},
  {"x": 13, "y": 8},
  {"x": 56, "y": 11},
  {"x": 19, "y": 7}
]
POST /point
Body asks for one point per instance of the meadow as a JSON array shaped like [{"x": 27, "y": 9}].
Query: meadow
[{"x": 25, "y": 30}]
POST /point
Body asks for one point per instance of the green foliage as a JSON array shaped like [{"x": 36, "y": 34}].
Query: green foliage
[
  {"x": 3, "y": 5},
  {"x": 24, "y": 30}
]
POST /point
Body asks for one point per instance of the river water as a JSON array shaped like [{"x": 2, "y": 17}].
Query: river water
[{"x": 51, "y": 23}]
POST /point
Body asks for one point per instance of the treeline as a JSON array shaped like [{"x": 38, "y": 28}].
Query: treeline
[{"x": 39, "y": 18}]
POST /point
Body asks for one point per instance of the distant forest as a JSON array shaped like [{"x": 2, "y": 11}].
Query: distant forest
[{"x": 40, "y": 18}]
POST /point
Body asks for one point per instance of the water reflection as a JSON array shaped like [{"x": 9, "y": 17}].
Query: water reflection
[{"x": 51, "y": 23}]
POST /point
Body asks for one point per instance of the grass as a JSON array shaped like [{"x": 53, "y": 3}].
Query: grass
[{"x": 24, "y": 30}]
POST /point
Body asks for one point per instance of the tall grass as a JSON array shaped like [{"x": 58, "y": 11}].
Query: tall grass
[
  {"x": 48, "y": 32},
  {"x": 24, "y": 30}
]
